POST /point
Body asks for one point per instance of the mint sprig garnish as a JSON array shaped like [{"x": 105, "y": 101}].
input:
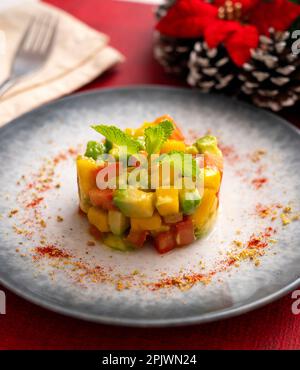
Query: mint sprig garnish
[
  {"x": 118, "y": 137},
  {"x": 155, "y": 136}
]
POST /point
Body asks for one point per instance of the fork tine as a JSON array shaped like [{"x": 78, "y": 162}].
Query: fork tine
[
  {"x": 32, "y": 35},
  {"x": 34, "y": 47},
  {"x": 47, "y": 44},
  {"x": 41, "y": 33},
  {"x": 27, "y": 33}
]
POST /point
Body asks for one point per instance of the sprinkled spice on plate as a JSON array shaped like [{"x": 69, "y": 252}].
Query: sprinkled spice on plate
[
  {"x": 13, "y": 212},
  {"x": 50, "y": 251},
  {"x": 257, "y": 155},
  {"x": 35, "y": 202},
  {"x": 259, "y": 182}
]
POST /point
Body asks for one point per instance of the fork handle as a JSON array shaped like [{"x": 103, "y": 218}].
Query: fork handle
[{"x": 6, "y": 85}]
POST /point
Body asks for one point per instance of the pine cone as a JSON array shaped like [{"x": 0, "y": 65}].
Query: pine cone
[
  {"x": 271, "y": 79},
  {"x": 162, "y": 9},
  {"x": 210, "y": 69},
  {"x": 172, "y": 53}
]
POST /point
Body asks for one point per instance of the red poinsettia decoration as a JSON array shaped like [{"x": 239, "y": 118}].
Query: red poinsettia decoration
[
  {"x": 246, "y": 4},
  {"x": 239, "y": 34},
  {"x": 278, "y": 14}
]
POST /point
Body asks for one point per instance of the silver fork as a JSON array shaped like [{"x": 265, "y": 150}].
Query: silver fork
[{"x": 32, "y": 51}]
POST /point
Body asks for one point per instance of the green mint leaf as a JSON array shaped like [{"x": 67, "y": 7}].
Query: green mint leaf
[
  {"x": 118, "y": 137},
  {"x": 107, "y": 145},
  {"x": 168, "y": 127},
  {"x": 155, "y": 136},
  {"x": 94, "y": 149}
]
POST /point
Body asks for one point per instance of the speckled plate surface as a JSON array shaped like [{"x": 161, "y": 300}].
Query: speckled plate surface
[{"x": 47, "y": 255}]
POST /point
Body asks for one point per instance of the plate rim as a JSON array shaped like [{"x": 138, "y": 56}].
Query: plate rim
[{"x": 35, "y": 298}]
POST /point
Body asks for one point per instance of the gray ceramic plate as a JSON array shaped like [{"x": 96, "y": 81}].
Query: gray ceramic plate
[{"x": 188, "y": 285}]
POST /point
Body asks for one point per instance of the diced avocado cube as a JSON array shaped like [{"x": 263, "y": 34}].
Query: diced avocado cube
[
  {"x": 117, "y": 222},
  {"x": 84, "y": 202},
  {"x": 116, "y": 242},
  {"x": 189, "y": 200},
  {"x": 208, "y": 144},
  {"x": 133, "y": 202}
]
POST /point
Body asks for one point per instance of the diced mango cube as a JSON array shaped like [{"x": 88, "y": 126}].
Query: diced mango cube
[
  {"x": 86, "y": 171},
  {"x": 212, "y": 178},
  {"x": 140, "y": 131},
  {"x": 208, "y": 205},
  {"x": 171, "y": 145},
  {"x": 167, "y": 201},
  {"x": 191, "y": 149},
  {"x": 98, "y": 218},
  {"x": 163, "y": 228},
  {"x": 173, "y": 219},
  {"x": 150, "y": 223}
]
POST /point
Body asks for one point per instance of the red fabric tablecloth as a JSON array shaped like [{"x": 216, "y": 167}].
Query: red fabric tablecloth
[{"x": 26, "y": 326}]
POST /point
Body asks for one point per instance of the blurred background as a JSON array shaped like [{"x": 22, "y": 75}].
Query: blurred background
[{"x": 247, "y": 49}]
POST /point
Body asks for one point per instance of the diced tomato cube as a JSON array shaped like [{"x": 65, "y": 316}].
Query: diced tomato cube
[
  {"x": 177, "y": 133},
  {"x": 165, "y": 242},
  {"x": 214, "y": 161},
  {"x": 115, "y": 168},
  {"x": 102, "y": 198},
  {"x": 137, "y": 238},
  {"x": 184, "y": 232},
  {"x": 96, "y": 171}
]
